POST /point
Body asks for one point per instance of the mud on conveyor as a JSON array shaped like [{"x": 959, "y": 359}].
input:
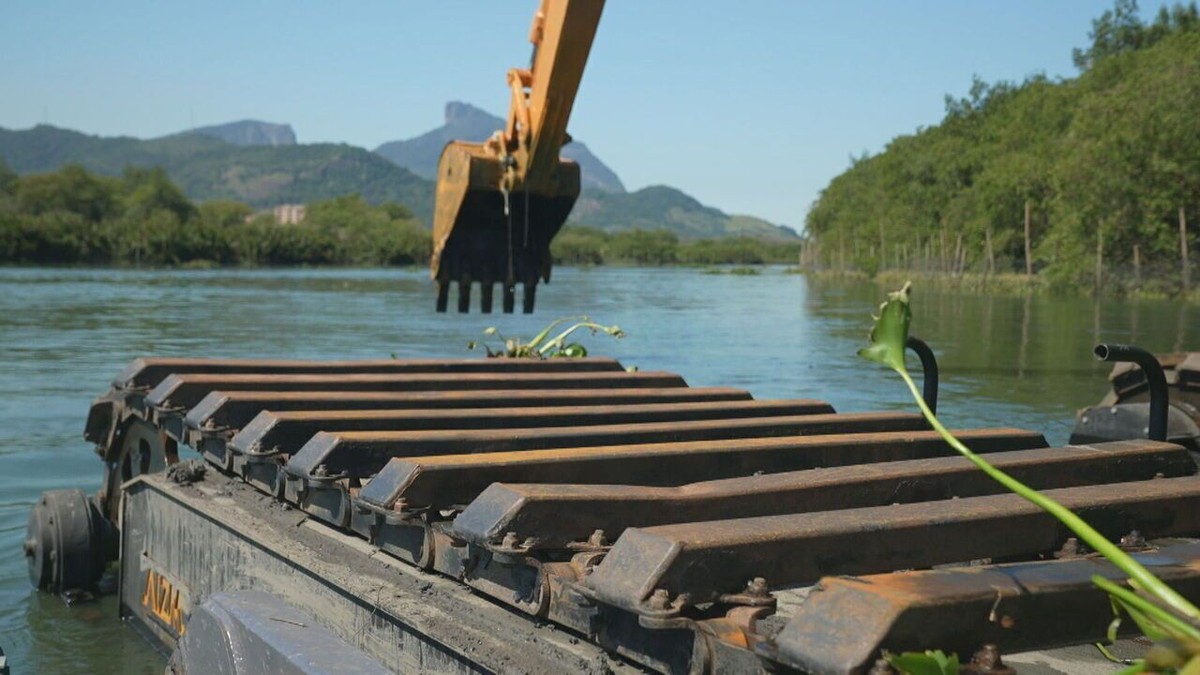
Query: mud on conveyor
[{"x": 683, "y": 528}]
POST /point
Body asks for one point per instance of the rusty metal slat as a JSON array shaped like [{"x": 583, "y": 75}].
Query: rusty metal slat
[
  {"x": 285, "y": 431},
  {"x": 442, "y": 481},
  {"x": 556, "y": 515},
  {"x": 705, "y": 560},
  {"x": 235, "y": 409},
  {"x": 185, "y": 391},
  {"x": 845, "y": 626},
  {"x": 145, "y": 373},
  {"x": 363, "y": 454}
]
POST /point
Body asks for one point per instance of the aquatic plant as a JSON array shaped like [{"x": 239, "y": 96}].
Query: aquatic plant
[
  {"x": 1162, "y": 614},
  {"x": 543, "y": 346}
]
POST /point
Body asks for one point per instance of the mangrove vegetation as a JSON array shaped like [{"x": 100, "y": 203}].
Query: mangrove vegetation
[
  {"x": 1089, "y": 182},
  {"x": 141, "y": 218}
]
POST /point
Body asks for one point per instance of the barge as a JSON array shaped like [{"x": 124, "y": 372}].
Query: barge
[{"x": 565, "y": 515}]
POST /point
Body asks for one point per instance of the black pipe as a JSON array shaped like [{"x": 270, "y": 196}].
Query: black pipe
[
  {"x": 929, "y": 366},
  {"x": 1154, "y": 377}
]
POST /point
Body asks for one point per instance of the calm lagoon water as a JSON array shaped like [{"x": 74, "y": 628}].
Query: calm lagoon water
[{"x": 65, "y": 332}]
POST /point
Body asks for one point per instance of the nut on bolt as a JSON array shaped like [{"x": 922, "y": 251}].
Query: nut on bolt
[
  {"x": 1133, "y": 540},
  {"x": 598, "y": 539},
  {"x": 757, "y": 587},
  {"x": 660, "y": 599},
  {"x": 509, "y": 541}
]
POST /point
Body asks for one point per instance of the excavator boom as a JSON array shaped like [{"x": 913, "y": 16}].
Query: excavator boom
[{"x": 499, "y": 203}]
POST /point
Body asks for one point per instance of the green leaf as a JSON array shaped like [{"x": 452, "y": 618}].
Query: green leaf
[
  {"x": 928, "y": 663},
  {"x": 890, "y": 332}
]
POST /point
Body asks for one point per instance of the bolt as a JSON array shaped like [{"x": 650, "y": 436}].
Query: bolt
[
  {"x": 509, "y": 541},
  {"x": 1133, "y": 540},
  {"x": 988, "y": 657},
  {"x": 598, "y": 539},
  {"x": 757, "y": 587},
  {"x": 30, "y": 547},
  {"x": 1070, "y": 549},
  {"x": 987, "y": 660},
  {"x": 661, "y": 599},
  {"x": 321, "y": 471},
  {"x": 529, "y": 542}
]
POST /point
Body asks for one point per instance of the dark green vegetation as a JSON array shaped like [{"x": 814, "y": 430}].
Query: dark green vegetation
[
  {"x": 142, "y": 218},
  {"x": 74, "y": 216},
  {"x": 577, "y": 245},
  {"x": 1103, "y": 170}
]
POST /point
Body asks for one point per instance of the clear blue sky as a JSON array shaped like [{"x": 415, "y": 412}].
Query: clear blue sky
[{"x": 749, "y": 106}]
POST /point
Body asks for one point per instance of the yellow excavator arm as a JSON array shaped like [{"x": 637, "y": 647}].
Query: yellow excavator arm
[{"x": 500, "y": 202}]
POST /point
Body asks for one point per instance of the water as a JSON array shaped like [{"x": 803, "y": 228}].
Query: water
[{"x": 64, "y": 334}]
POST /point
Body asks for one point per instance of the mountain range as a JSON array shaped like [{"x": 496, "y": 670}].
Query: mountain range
[
  {"x": 262, "y": 164},
  {"x": 465, "y": 122}
]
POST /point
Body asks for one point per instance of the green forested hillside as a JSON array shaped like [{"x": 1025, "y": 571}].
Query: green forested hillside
[
  {"x": 263, "y": 176},
  {"x": 208, "y": 168},
  {"x": 1107, "y": 164}
]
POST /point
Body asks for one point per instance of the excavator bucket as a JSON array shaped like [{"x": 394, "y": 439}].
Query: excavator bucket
[
  {"x": 481, "y": 234},
  {"x": 500, "y": 203}
]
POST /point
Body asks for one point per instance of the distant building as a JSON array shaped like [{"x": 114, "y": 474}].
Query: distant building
[{"x": 289, "y": 214}]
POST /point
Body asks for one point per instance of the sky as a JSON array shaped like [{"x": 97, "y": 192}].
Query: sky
[{"x": 752, "y": 107}]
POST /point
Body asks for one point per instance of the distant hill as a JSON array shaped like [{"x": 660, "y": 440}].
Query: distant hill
[
  {"x": 264, "y": 176},
  {"x": 208, "y": 168},
  {"x": 249, "y": 132},
  {"x": 660, "y": 206},
  {"x": 465, "y": 122}
]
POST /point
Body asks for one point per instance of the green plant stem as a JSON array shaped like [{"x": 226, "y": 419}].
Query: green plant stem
[
  {"x": 1139, "y": 575},
  {"x": 537, "y": 339},
  {"x": 557, "y": 341},
  {"x": 1166, "y": 623}
]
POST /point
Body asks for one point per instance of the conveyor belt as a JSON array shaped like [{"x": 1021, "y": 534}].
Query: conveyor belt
[{"x": 649, "y": 516}]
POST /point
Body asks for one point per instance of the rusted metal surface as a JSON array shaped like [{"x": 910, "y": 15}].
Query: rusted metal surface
[
  {"x": 316, "y": 475},
  {"x": 235, "y": 409},
  {"x": 557, "y": 515},
  {"x": 181, "y": 392},
  {"x": 146, "y": 373},
  {"x": 365, "y": 453},
  {"x": 706, "y": 560},
  {"x": 441, "y": 481},
  {"x": 848, "y": 621},
  {"x": 284, "y": 432}
]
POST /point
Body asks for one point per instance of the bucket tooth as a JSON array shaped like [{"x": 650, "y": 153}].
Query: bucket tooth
[
  {"x": 464, "y": 294},
  {"x": 443, "y": 295},
  {"x": 485, "y": 295},
  {"x": 530, "y": 293},
  {"x": 477, "y": 231},
  {"x": 510, "y": 297}
]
